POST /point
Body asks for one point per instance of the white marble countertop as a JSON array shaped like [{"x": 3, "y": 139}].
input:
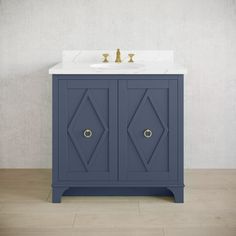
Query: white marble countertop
[{"x": 90, "y": 62}]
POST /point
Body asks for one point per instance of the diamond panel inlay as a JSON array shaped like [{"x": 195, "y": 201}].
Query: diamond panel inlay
[
  {"x": 146, "y": 115},
  {"x": 87, "y": 115}
]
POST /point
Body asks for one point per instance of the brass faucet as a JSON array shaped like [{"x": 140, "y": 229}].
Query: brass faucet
[
  {"x": 118, "y": 59},
  {"x": 118, "y": 56}
]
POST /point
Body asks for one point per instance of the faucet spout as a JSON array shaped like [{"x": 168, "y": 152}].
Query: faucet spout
[{"x": 118, "y": 58}]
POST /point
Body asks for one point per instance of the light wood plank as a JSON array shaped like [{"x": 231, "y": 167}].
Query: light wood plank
[
  {"x": 157, "y": 219},
  {"x": 210, "y": 179},
  {"x": 84, "y": 232},
  {"x": 16, "y": 177},
  {"x": 39, "y": 207},
  {"x": 24, "y": 193},
  {"x": 36, "y": 220},
  {"x": 81, "y": 207},
  {"x": 200, "y": 231}
]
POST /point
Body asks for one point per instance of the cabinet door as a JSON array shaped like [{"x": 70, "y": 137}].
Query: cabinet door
[
  {"x": 87, "y": 130},
  {"x": 148, "y": 130}
]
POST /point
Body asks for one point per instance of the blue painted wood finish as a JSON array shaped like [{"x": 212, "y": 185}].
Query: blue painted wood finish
[{"x": 117, "y": 159}]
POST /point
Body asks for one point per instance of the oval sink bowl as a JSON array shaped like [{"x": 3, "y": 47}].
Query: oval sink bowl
[{"x": 117, "y": 66}]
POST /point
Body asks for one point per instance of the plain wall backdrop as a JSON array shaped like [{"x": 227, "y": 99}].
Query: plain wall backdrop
[{"x": 201, "y": 32}]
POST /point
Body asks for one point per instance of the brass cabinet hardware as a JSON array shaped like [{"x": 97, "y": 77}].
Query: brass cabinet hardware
[
  {"x": 118, "y": 58},
  {"x": 131, "y": 55},
  {"x": 105, "y": 55}
]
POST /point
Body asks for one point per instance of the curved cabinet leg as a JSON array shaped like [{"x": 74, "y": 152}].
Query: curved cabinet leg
[
  {"x": 57, "y": 192},
  {"x": 178, "y": 193}
]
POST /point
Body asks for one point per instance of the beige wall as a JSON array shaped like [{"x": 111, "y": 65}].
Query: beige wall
[{"x": 202, "y": 33}]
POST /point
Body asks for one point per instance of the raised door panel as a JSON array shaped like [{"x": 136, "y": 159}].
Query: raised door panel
[
  {"x": 87, "y": 130},
  {"x": 148, "y": 130}
]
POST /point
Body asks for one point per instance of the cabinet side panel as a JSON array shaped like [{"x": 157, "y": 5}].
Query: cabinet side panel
[
  {"x": 181, "y": 129},
  {"x": 173, "y": 129},
  {"x": 62, "y": 128},
  {"x": 54, "y": 129}
]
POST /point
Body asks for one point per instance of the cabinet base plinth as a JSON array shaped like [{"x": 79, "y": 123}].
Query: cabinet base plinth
[
  {"x": 57, "y": 192},
  {"x": 177, "y": 192}
]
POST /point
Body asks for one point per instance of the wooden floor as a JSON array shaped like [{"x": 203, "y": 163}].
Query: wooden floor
[{"x": 209, "y": 208}]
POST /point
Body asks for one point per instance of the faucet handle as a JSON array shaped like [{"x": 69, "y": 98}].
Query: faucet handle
[
  {"x": 131, "y": 55},
  {"x": 105, "y": 55}
]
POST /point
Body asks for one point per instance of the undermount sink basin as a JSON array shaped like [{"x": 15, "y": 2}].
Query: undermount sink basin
[{"x": 117, "y": 66}]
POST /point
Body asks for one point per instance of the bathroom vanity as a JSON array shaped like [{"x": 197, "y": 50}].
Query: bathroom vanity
[{"x": 117, "y": 129}]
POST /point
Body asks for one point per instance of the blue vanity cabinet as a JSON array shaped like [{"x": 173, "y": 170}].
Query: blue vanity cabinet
[{"x": 117, "y": 135}]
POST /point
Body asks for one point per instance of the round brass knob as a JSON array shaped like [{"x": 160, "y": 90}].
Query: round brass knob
[
  {"x": 147, "y": 133},
  {"x": 88, "y": 133}
]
